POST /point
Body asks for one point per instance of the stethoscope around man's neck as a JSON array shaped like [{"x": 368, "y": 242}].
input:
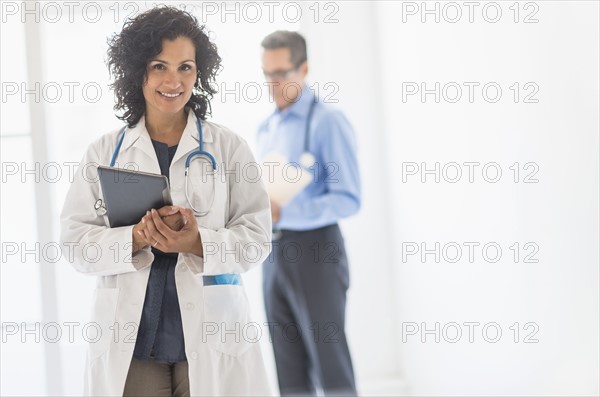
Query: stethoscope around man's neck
[{"x": 307, "y": 159}]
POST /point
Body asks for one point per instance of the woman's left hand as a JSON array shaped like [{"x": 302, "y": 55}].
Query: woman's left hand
[{"x": 161, "y": 236}]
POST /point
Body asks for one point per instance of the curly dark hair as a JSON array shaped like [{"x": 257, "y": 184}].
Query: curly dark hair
[{"x": 140, "y": 41}]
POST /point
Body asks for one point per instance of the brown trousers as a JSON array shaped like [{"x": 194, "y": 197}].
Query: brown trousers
[{"x": 157, "y": 378}]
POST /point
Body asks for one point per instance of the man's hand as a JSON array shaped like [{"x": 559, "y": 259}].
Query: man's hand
[{"x": 275, "y": 211}]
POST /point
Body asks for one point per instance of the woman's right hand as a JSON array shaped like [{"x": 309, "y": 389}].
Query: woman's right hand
[{"x": 170, "y": 215}]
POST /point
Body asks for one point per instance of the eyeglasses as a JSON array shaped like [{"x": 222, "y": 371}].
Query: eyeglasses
[{"x": 279, "y": 75}]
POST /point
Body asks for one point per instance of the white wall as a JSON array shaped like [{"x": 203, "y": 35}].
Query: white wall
[{"x": 559, "y": 213}]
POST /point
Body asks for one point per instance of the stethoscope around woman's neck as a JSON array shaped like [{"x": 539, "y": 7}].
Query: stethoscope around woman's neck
[{"x": 188, "y": 160}]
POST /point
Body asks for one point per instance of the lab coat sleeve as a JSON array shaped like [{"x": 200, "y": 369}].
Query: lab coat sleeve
[
  {"x": 245, "y": 241},
  {"x": 89, "y": 245}
]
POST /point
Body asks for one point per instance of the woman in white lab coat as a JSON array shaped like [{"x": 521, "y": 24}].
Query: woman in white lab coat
[{"x": 163, "y": 63}]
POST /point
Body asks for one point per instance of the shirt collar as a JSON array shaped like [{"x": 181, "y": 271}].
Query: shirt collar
[
  {"x": 301, "y": 106},
  {"x": 190, "y": 131}
]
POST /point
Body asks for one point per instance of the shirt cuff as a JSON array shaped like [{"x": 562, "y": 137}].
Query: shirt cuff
[{"x": 287, "y": 213}]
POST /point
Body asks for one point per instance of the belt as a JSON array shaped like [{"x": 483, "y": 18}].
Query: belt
[
  {"x": 221, "y": 279},
  {"x": 278, "y": 233}
]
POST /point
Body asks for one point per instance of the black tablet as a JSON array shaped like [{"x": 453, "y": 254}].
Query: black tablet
[{"x": 129, "y": 194}]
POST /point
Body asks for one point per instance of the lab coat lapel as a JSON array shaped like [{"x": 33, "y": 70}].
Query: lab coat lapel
[
  {"x": 137, "y": 139},
  {"x": 189, "y": 141}
]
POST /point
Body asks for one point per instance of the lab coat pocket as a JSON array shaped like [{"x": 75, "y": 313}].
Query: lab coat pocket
[
  {"x": 210, "y": 195},
  {"x": 227, "y": 327},
  {"x": 99, "y": 331}
]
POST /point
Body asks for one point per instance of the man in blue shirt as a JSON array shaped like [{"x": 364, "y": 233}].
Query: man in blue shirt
[{"x": 306, "y": 278}]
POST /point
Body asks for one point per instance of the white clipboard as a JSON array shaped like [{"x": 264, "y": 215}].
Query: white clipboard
[{"x": 284, "y": 180}]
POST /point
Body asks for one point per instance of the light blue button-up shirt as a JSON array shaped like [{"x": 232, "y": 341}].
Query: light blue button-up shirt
[{"x": 334, "y": 192}]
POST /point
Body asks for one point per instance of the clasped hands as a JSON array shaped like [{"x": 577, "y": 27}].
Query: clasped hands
[{"x": 170, "y": 229}]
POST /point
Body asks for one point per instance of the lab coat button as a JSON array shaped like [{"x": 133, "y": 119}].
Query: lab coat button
[
  {"x": 194, "y": 355},
  {"x": 183, "y": 268},
  {"x": 189, "y": 306}
]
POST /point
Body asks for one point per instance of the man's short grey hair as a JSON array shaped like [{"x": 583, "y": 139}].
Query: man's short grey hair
[{"x": 287, "y": 39}]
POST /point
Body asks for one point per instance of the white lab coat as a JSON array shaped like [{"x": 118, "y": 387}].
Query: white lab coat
[{"x": 236, "y": 236}]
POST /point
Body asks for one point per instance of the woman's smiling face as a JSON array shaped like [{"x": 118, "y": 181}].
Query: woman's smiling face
[{"x": 170, "y": 77}]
